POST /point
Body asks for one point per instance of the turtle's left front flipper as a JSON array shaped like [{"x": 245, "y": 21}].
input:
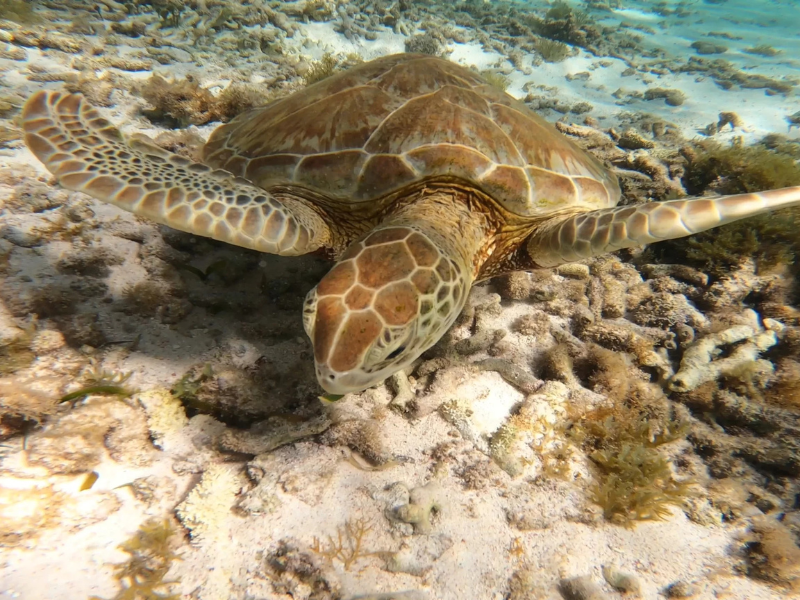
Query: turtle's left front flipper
[
  {"x": 601, "y": 231},
  {"x": 87, "y": 154}
]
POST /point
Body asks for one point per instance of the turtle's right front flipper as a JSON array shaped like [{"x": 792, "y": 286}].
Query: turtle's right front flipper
[
  {"x": 88, "y": 154},
  {"x": 597, "y": 232}
]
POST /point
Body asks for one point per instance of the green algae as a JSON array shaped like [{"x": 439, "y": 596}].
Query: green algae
[
  {"x": 496, "y": 79},
  {"x": 101, "y": 382},
  {"x": 552, "y": 51}
]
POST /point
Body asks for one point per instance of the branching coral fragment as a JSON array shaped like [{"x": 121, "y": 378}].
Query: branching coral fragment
[
  {"x": 348, "y": 545},
  {"x": 698, "y": 365}
]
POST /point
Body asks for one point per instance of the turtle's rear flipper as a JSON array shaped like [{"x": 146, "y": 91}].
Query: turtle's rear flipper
[
  {"x": 88, "y": 154},
  {"x": 597, "y": 232}
]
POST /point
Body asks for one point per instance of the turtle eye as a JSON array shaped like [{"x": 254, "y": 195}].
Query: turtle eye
[{"x": 396, "y": 352}]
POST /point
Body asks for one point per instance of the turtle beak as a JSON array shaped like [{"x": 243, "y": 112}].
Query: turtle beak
[{"x": 340, "y": 383}]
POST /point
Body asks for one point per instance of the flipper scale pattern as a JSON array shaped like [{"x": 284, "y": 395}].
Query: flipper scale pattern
[{"x": 88, "y": 154}]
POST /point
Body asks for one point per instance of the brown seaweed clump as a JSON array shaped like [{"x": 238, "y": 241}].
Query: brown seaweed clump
[
  {"x": 169, "y": 11},
  {"x": 563, "y": 23},
  {"x": 551, "y": 51},
  {"x": 635, "y": 481},
  {"x": 179, "y": 103},
  {"x": 321, "y": 69},
  {"x": 19, "y": 11},
  {"x": 496, "y": 79},
  {"x": 737, "y": 169},
  {"x": 771, "y": 240},
  {"x": 143, "y": 575},
  {"x": 774, "y": 555}
]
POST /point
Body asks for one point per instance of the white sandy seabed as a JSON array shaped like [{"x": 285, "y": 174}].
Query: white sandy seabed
[{"x": 308, "y": 490}]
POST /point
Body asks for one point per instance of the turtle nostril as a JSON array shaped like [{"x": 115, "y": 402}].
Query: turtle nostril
[{"x": 395, "y": 353}]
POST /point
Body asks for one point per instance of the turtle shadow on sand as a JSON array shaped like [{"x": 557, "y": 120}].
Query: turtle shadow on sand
[{"x": 156, "y": 296}]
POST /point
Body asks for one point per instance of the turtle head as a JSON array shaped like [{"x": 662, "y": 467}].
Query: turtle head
[{"x": 390, "y": 297}]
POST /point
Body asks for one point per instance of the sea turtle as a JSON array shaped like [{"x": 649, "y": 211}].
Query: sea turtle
[{"x": 416, "y": 175}]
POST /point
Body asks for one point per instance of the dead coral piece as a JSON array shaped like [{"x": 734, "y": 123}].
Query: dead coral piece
[
  {"x": 426, "y": 43},
  {"x": 623, "y": 582},
  {"x": 208, "y": 505},
  {"x": 775, "y": 555},
  {"x": 762, "y": 50},
  {"x": 574, "y": 271},
  {"x": 581, "y": 588},
  {"x": 670, "y": 96},
  {"x": 681, "y": 589},
  {"x": 513, "y": 374},
  {"x": 479, "y": 342},
  {"x": 666, "y": 310},
  {"x": 680, "y": 272},
  {"x": 698, "y": 365},
  {"x": 633, "y": 140},
  {"x": 19, "y": 11},
  {"x": 77, "y": 440},
  {"x": 166, "y": 415},
  {"x": 23, "y": 404},
  {"x": 704, "y": 47},
  {"x": 43, "y": 508},
  {"x": 422, "y": 505},
  {"x": 363, "y": 436},
  {"x": 785, "y": 389},
  {"x": 126, "y": 64},
  {"x": 534, "y": 434},
  {"x": 415, "y": 559},
  {"x": 729, "y": 118},
  {"x": 301, "y": 572},
  {"x": 275, "y": 432},
  {"x": 513, "y": 286},
  {"x": 557, "y": 364},
  {"x": 179, "y": 103},
  {"x": 534, "y": 324},
  {"x": 15, "y": 348}
]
